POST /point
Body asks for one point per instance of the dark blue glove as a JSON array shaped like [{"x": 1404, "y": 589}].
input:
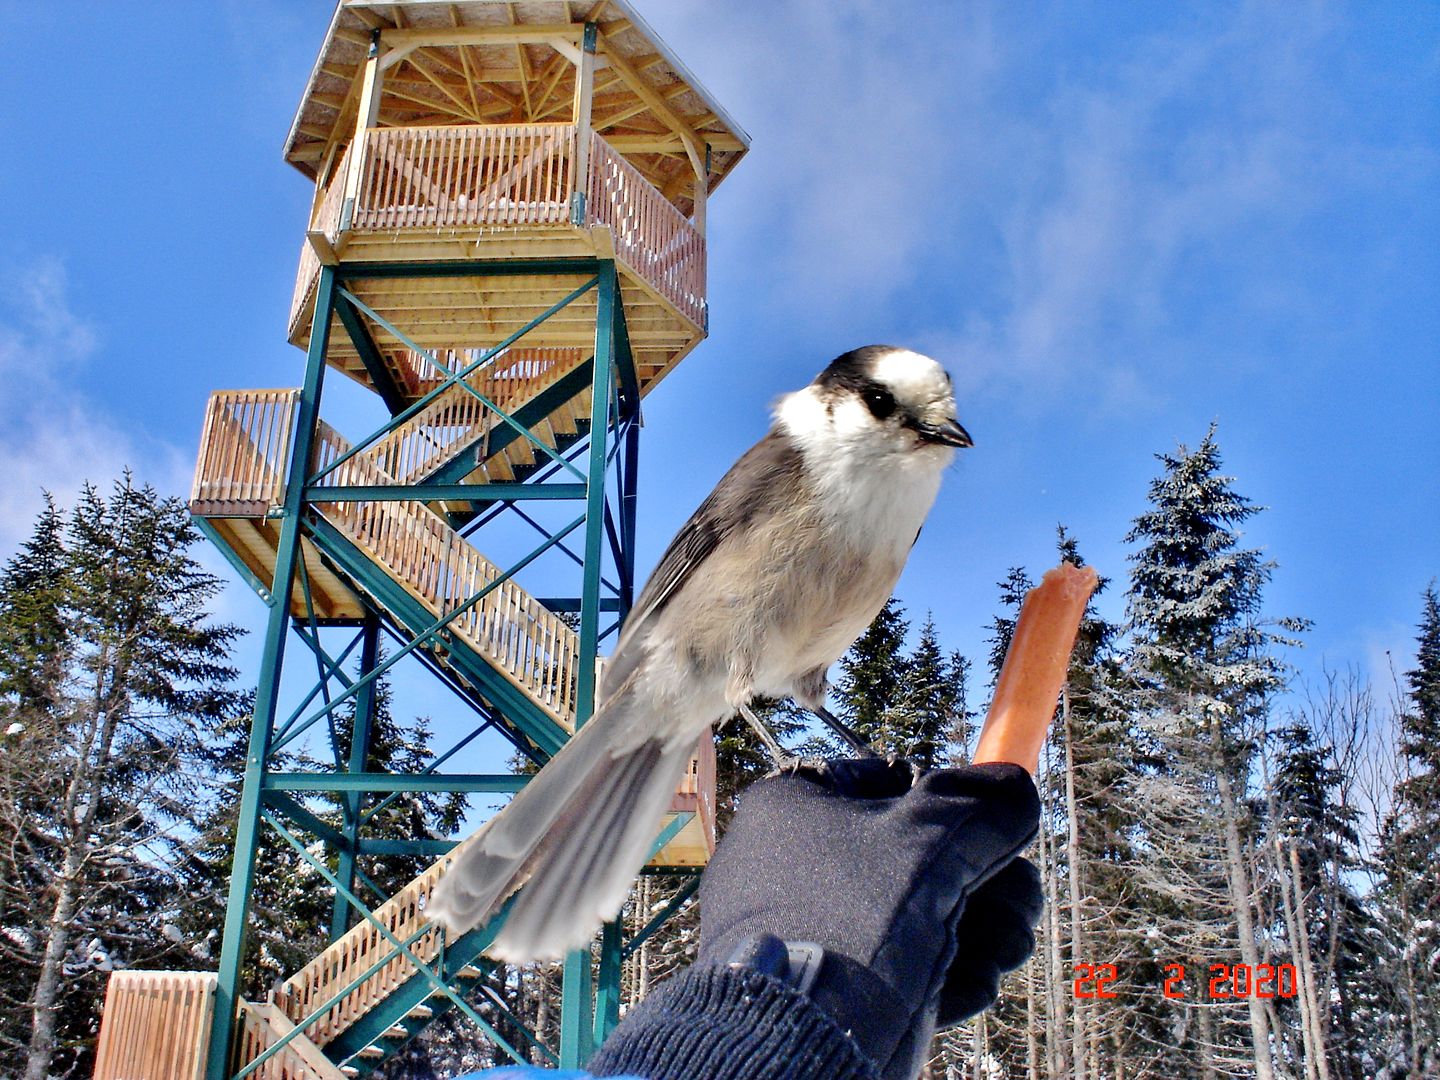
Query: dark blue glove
[{"x": 892, "y": 902}]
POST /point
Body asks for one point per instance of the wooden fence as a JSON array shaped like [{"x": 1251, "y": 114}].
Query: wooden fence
[
  {"x": 322, "y": 980},
  {"x": 653, "y": 237},
  {"x": 512, "y": 176},
  {"x": 156, "y": 1025},
  {"x": 244, "y": 452},
  {"x": 477, "y": 174}
]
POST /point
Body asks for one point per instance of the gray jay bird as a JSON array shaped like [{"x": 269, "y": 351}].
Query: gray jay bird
[{"x": 769, "y": 582}]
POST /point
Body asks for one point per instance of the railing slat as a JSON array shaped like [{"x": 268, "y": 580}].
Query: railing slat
[{"x": 513, "y": 176}]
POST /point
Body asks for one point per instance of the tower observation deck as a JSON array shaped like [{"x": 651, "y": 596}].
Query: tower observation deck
[{"x": 506, "y": 245}]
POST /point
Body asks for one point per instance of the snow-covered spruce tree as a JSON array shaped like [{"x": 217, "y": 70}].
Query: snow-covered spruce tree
[
  {"x": 1408, "y": 893},
  {"x": 1314, "y": 843},
  {"x": 1093, "y": 749},
  {"x": 868, "y": 688},
  {"x": 930, "y": 723},
  {"x": 117, "y": 680},
  {"x": 33, "y": 635},
  {"x": 1203, "y": 669}
]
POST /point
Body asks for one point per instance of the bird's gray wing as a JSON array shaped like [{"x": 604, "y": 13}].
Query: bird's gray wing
[{"x": 766, "y": 478}]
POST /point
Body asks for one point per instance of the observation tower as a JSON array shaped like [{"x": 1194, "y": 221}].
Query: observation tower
[{"x": 506, "y": 246}]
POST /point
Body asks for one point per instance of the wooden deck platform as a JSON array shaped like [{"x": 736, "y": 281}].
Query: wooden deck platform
[{"x": 502, "y": 192}]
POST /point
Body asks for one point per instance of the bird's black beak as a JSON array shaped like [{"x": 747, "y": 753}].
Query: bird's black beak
[{"x": 947, "y": 433}]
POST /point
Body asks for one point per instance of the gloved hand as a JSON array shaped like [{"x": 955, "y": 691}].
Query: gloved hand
[{"x": 894, "y": 906}]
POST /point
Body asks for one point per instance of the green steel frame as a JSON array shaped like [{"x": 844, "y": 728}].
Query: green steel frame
[{"x": 598, "y": 472}]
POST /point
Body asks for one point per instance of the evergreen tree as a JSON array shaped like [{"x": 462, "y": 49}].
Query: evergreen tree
[
  {"x": 289, "y": 902},
  {"x": 33, "y": 629},
  {"x": 871, "y": 676},
  {"x": 1315, "y": 842},
  {"x": 115, "y": 681},
  {"x": 398, "y": 748},
  {"x": 1204, "y": 669},
  {"x": 1409, "y": 888},
  {"x": 1002, "y": 627},
  {"x": 930, "y": 717}
]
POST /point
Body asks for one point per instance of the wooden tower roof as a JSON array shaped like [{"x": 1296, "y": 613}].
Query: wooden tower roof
[{"x": 513, "y": 61}]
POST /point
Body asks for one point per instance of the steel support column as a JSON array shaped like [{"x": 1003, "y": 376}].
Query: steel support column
[
  {"x": 577, "y": 1018},
  {"x": 247, "y": 828},
  {"x": 359, "y": 752}
]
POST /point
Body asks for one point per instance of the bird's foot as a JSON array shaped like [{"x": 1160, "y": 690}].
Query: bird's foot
[{"x": 858, "y": 746}]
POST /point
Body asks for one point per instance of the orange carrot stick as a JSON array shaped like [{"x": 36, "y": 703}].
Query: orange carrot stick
[{"x": 1034, "y": 668}]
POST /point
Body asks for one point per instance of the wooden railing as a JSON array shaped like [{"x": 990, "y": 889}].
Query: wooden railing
[
  {"x": 244, "y": 452},
  {"x": 261, "y": 1027},
  {"x": 457, "y": 417},
  {"x": 515, "y": 176},
  {"x": 478, "y": 174},
  {"x": 653, "y": 237},
  {"x": 519, "y": 635},
  {"x": 321, "y": 981},
  {"x": 156, "y": 1025}
]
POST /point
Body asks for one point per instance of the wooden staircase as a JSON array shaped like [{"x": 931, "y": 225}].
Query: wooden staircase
[{"x": 508, "y": 649}]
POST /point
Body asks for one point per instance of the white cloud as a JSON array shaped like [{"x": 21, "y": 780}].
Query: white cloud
[
  {"x": 51, "y": 437},
  {"x": 1099, "y": 215}
]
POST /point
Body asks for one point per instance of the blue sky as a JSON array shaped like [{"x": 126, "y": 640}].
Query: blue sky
[{"x": 1115, "y": 223}]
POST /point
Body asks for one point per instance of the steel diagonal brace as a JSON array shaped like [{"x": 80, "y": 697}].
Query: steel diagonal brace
[
  {"x": 676, "y": 903},
  {"x": 306, "y": 819},
  {"x": 502, "y": 505},
  {"x": 279, "y": 740},
  {"x": 403, "y": 949},
  {"x": 428, "y": 770},
  {"x": 452, "y": 378},
  {"x": 576, "y": 559},
  {"x": 438, "y": 625},
  {"x": 284, "y": 1040},
  {"x": 319, "y": 662}
]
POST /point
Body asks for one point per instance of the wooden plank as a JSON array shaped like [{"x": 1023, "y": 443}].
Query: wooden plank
[{"x": 483, "y": 35}]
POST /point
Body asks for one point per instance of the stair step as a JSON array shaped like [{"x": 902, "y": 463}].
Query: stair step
[
  {"x": 420, "y": 1012},
  {"x": 350, "y": 1070},
  {"x": 372, "y": 1053},
  {"x": 395, "y": 1031}
]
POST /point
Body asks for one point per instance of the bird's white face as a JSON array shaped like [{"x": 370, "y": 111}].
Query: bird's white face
[{"x": 877, "y": 403}]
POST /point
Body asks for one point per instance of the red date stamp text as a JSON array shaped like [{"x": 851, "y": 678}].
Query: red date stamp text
[{"x": 1219, "y": 982}]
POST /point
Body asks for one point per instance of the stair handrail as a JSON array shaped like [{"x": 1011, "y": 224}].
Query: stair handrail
[
  {"x": 522, "y": 637},
  {"x": 457, "y": 418}
]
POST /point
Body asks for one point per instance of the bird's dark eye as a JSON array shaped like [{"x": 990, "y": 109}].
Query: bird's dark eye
[{"x": 879, "y": 401}]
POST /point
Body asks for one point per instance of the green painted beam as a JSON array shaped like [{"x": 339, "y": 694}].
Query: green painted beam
[
  {"x": 379, "y": 371},
  {"x": 357, "y": 271},
  {"x": 360, "y": 731},
  {"x": 376, "y": 781},
  {"x": 307, "y": 820},
  {"x": 572, "y": 603},
  {"x": 324, "y": 493},
  {"x": 431, "y": 849},
  {"x": 251, "y": 808},
  {"x": 675, "y": 904},
  {"x": 370, "y": 1029},
  {"x": 516, "y": 708}
]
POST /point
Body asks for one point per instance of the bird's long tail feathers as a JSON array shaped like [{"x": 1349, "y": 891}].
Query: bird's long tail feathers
[{"x": 575, "y": 836}]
